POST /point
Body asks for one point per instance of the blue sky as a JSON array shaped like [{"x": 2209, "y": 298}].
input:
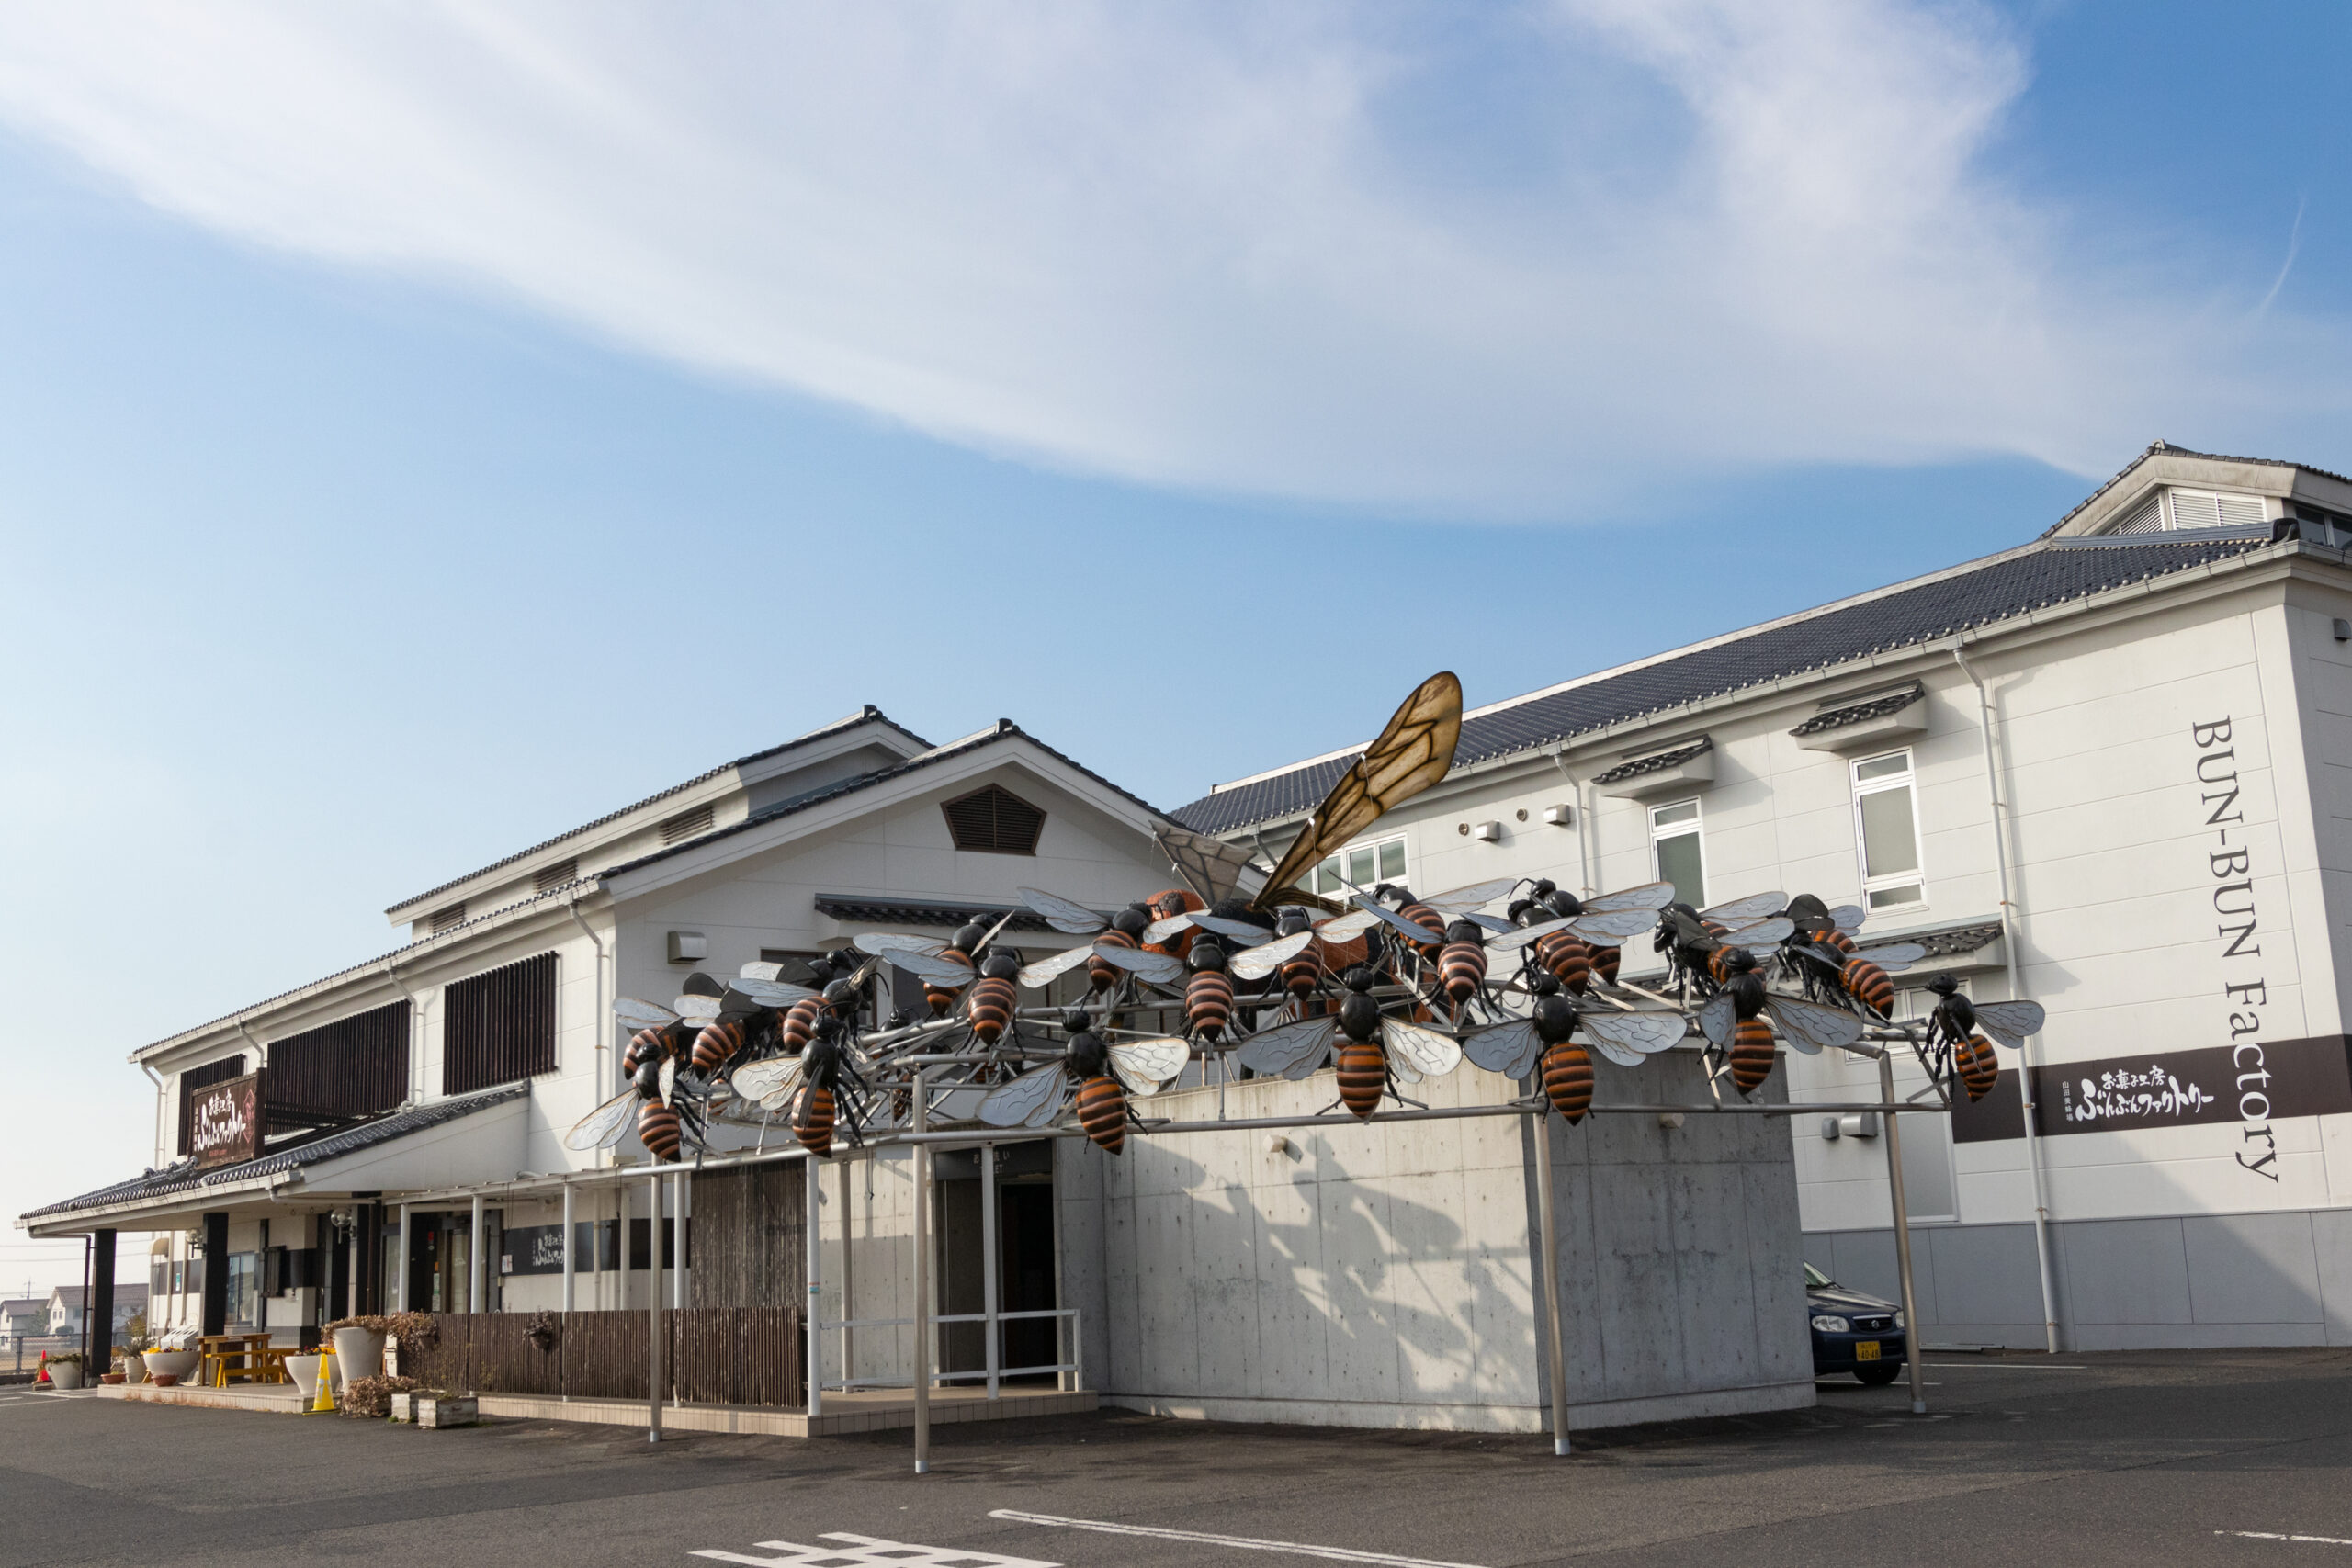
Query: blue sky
[{"x": 420, "y": 435}]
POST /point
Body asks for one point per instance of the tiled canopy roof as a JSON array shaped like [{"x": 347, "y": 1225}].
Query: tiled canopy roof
[
  {"x": 1656, "y": 761},
  {"x": 1859, "y": 713},
  {"x": 891, "y": 912}
]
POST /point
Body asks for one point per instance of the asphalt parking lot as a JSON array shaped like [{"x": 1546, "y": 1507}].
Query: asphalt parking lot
[{"x": 2207, "y": 1457}]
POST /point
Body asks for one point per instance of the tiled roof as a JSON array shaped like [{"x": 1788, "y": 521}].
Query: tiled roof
[
  {"x": 1858, "y": 713},
  {"x": 883, "y": 911},
  {"x": 868, "y": 713},
  {"x": 184, "y": 1177},
  {"x": 2168, "y": 449},
  {"x": 1656, "y": 761},
  {"x": 1923, "y": 610}
]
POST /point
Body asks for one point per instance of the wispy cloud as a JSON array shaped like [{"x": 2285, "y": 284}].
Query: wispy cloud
[{"x": 1333, "y": 252}]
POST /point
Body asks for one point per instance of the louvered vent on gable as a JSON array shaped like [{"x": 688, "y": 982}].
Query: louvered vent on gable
[
  {"x": 994, "y": 820},
  {"x": 447, "y": 918},
  {"x": 687, "y": 825},
  {"x": 554, "y": 876},
  {"x": 2148, "y": 519}
]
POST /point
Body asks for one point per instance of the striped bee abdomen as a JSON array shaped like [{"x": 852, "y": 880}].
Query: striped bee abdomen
[
  {"x": 1208, "y": 1003},
  {"x": 939, "y": 997},
  {"x": 1718, "y": 966},
  {"x": 1867, "y": 984},
  {"x": 657, "y": 1129},
  {"x": 1103, "y": 1111},
  {"x": 1303, "y": 973},
  {"x": 1102, "y": 974},
  {"x": 1567, "y": 1080},
  {"x": 812, "y": 1123},
  {"x": 1604, "y": 965},
  {"x": 1363, "y": 1076},
  {"x": 1839, "y": 941},
  {"x": 992, "y": 1007},
  {"x": 1979, "y": 1068},
  {"x": 1461, "y": 969},
  {"x": 1422, "y": 915},
  {"x": 715, "y": 1045},
  {"x": 1751, "y": 1054},
  {"x": 799, "y": 1023},
  {"x": 1568, "y": 957}
]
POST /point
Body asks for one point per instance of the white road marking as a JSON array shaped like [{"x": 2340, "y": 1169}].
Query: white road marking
[
  {"x": 1246, "y": 1544},
  {"x": 2007, "y": 1366},
  {"x": 872, "y": 1552},
  {"x": 2272, "y": 1535}
]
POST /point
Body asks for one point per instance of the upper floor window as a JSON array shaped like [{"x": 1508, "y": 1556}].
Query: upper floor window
[
  {"x": 1886, "y": 831},
  {"x": 1675, "y": 851},
  {"x": 1382, "y": 860}
]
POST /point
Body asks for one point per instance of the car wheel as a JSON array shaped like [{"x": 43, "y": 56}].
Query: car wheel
[{"x": 1879, "y": 1376}]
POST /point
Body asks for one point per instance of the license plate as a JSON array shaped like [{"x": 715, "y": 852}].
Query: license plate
[{"x": 1866, "y": 1350}]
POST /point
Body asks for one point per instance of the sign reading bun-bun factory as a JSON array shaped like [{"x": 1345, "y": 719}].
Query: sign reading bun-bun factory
[{"x": 224, "y": 1121}]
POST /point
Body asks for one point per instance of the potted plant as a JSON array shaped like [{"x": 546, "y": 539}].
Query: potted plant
[
  {"x": 65, "y": 1370},
  {"x": 304, "y": 1369},
  {"x": 134, "y": 1359},
  {"x": 172, "y": 1358},
  {"x": 359, "y": 1342}
]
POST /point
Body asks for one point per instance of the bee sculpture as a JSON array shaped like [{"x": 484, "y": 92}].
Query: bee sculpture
[{"x": 1953, "y": 1031}]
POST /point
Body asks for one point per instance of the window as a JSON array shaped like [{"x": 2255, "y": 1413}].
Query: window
[
  {"x": 1673, "y": 848},
  {"x": 245, "y": 1288},
  {"x": 1363, "y": 864},
  {"x": 994, "y": 820},
  {"x": 1886, "y": 832},
  {"x": 500, "y": 1026}
]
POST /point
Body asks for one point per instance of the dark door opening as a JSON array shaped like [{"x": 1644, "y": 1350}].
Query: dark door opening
[{"x": 1025, "y": 1241}]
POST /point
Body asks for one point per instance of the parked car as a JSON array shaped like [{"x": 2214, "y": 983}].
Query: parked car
[{"x": 1852, "y": 1332}]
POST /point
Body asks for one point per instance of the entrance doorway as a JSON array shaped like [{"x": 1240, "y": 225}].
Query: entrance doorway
[{"x": 1025, "y": 1271}]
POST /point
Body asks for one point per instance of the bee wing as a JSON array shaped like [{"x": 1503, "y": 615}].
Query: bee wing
[
  {"x": 761, "y": 971},
  {"x": 1477, "y": 896},
  {"x": 1614, "y": 925},
  {"x": 757, "y": 1080},
  {"x": 1739, "y": 911},
  {"x": 1241, "y": 932},
  {"x": 1626, "y": 1037},
  {"x": 1147, "y": 1067},
  {"x": 1716, "y": 1017},
  {"x": 1520, "y": 936},
  {"x": 960, "y": 1104},
  {"x": 1159, "y": 968},
  {"x": 1849, "y": 918},
  {"x": 641, "y": 1014},
  {"x": 1763, "y": 934},
  {"x": 1344, "y": 927},
  {"x": 1012, "y": 1104},
  {"x": 1412, "y": 930},
  {"x": 931, "y": 967},
  {"x": 1062, "y": 914},
  {"x": 1267, "y": 957},
  {"x": 1809, "y": 1026},
  {"x": 1293, "y": 1051},
  {"x": 772, "y": 993},
  {"x": 1043, "y": 972},
  {"x": 2010, "y": 1022},
  {"x": 1649, "y": 897},
  {"x": 669, "y": 1078},
  {"x": 1210, "y": 867},
  {"x": 1895, "y": 957},
  {"x": 698, "y": 1009},
  {"x": 1160, "y": 930},
  {"x": 602, "y": 1126},
  {"x": 1413, "y": 750},
  {"x": 895, "y": 943},
  {"x": 1509, "y": 1049},
  {"x": 1494, "y": 923},
  {"x": 1429, "y": 1053}
]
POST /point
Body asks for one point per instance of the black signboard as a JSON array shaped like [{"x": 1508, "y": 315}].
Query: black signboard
[
  {"x": 2255, "y": 1081},
  {"x": 224, "y": 1121}
]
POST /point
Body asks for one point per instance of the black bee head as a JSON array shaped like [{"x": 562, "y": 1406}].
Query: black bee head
[
  {"x": 1077, "y": 1020},
  {"x": 1944, "y": 985},
  {"x": 1205, "y": 953},
  {"x": 840, "y": 994},
  {"x": 1542, "y": 888},
  {"x": 1131, "y": 921},
  {"x": 900, "y": 1018},
  {"x": 648, "y": 1079},
  {"x": 1563, "y": 904},
  {"x": 967, "y": 939},
  {"x": 1291, "y": 920},
  {"x": 999, "y": 966},
  {"x": 1740, "y": 961},
  {"x": 1359, "y": 978},
  {"x": 1464, "y": 931},
  {"x": 1546, "y": 983},
  {"x": 1516, "y": 908}
]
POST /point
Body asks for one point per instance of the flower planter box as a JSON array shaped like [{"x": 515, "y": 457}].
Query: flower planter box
[
  {"x": 165, "y": 1380},
  {"x": 68, "y": 1376},
  {"x": 114, "y": 1379},
  {"x": 173, "y": 1364}
]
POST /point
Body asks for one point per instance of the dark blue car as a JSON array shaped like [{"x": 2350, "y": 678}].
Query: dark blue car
[{"x": 1852, "y": 1332}]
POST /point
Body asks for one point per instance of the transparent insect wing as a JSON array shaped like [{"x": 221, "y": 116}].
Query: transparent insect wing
[
  {"x": 1347, "y": 927},
  {"x": 1381, "y": 912},
  {"x": 1145, "y": 1066},
  {"x": 1062, "y": 914},
  {"x": 1849, "y": 918},
  {"x": 1495, "y": 924},
  {"x": 642, "y": 1014},
  {"x": 1520, "y": 936},
  {"x": 1716, "y": 1017},
  {"x": 1291, "y": 1051},
  {"x": 930, "y": 966},
  {"x": 761, "y": 971},
  {"x": 1412, "y": 753},
  {"x": 1158, "y": 967},
  {"x": 669, "y": 1078},
  {"x": 757, "y": 1080},
  {"x": 1812, "y": 1028},
  {"x": 1012, "y": 1104},
  {"x": 1626, "y": 1037},
  {"x": 1763, "y": 934},
  {"x": 1160, "y": 930},
  {"x": 964, "y": 1104},
  {"x": 1210, "y": 867},
  {"x": 1430, "y": 1054},
  {"x": 2009, "y": 1022},
  {"x": 892, "y": 943},
  {"x": 1043, "y": 972},
  {"x": 1264, "y": 959},
  {"x": 1648, "y": 898},
  {"x": 1739, "y": 911},
  {"x": 602, "y": 1126},
  {"x": 1509, "y": 1049},
  {"x": 1477, "y": 896},
  {"x": 772, "y": 993},
  {"x": 1614, "y": 925},
  {"x": 1895, "y": 957},
  {"x": 698, "y": 1009},
  {"x": 1241, "y": 932}
]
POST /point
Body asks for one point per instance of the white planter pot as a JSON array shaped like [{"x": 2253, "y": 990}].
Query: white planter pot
[
  {"x": 180, "y": 1364},
  {"x": 305, "y": 1371},
  {"x": 358, "y": 1353},
  {"x": 134, "y": 1367},
  {"x": 67, "y": 1376}
]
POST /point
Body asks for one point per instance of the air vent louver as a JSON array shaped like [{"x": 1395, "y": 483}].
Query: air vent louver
[
  {"x": 994, "y": 820},
  {"x": 554, "y": 876},
  {"x": 687, "y": 825}
]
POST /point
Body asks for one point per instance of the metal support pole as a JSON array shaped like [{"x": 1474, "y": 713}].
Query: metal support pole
[
  {"x": 1902, "y": 1235},
  {"x": 571, "y": 1264},
  {"x": 849, "y": 1276},
  {"x": 814, "y": 1227},
  {"x": 678, "y": 1240},
  {"x": 399, "y": 1282},
  {"x": 653, "y": 1311},
  {"x": 989, "y": 1287},
  {"x": 620, "y": 1249},
  {"x": 923, "y": 1275},
  {"x": 1545, "y": 1218},
  {"x": 477, "y": 1297}
]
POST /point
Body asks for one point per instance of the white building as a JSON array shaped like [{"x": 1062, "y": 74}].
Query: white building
[{"x": 2111, "y": 767}]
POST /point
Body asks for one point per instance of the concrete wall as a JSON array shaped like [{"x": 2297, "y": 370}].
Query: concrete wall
[{"x": 1379, "y": 1275}]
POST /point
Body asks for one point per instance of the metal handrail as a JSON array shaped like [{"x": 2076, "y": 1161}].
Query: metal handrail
[{"x": 1075, "y": 1366}]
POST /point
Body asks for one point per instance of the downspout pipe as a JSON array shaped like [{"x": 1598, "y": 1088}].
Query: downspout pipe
[
  {"x": 1576, "y": 788},
  {"x": 157, "y": 1079},
  {"x": 603, "y": 1087},
  {"x": 415, "y": 1048},
  {"x": 2009, "y": 953}
]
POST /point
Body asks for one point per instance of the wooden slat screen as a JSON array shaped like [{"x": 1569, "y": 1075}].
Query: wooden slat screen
[
  {"x": 712, "y": 1356},
  {"x": 500, "y": 1026},
  {"x": 603, "y": 1355},
  {"x": 197, "y": 1079},
  {"x": 748, "y": 1237},
  {"x": 355, "y": 1066},
  {"x": 736, "y": 1355},
  {"x": 506, "y": 1362}
]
